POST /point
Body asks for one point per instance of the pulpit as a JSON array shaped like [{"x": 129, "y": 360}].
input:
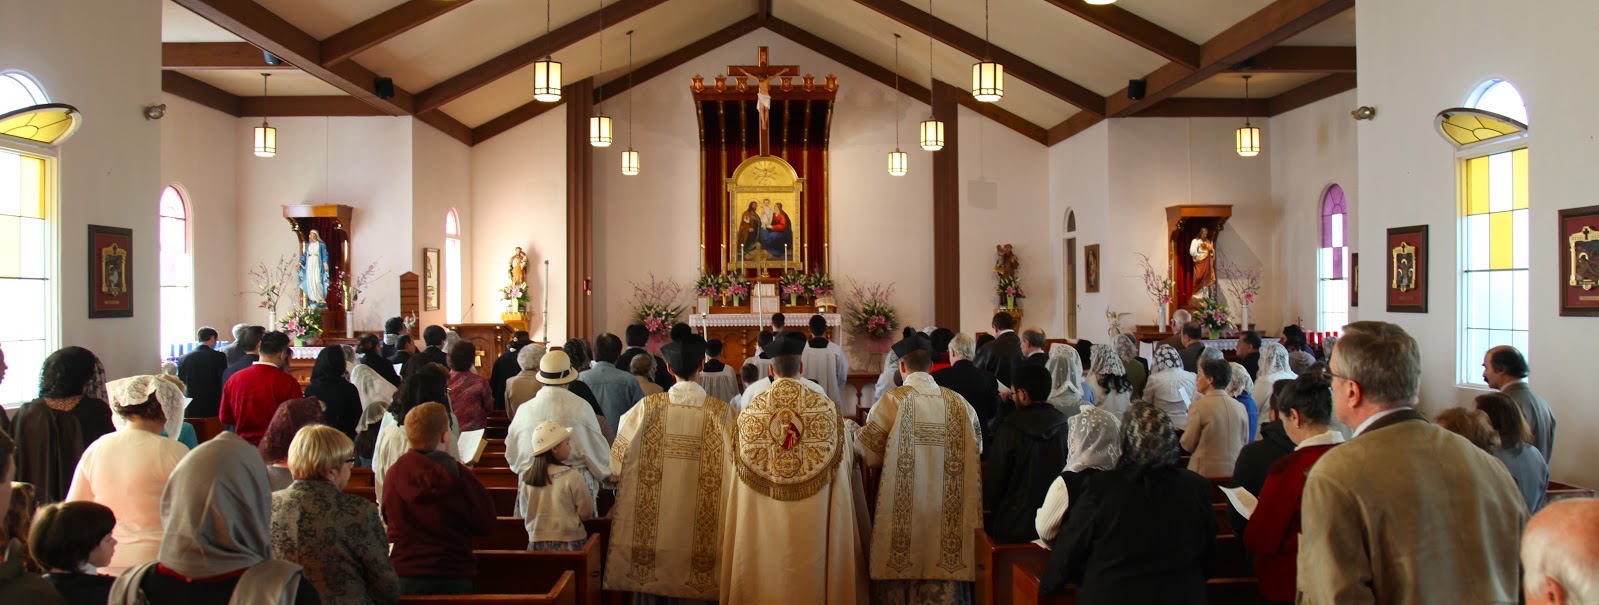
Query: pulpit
[{"x": 490, "y": 340}]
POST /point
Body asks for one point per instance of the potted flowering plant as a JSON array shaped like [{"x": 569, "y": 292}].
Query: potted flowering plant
[
  {"x": 868, "y": 312},
  {"x": 269, "y": 282},
  {"x": 1212, "y": 314},
  {"x": 736, "y": 287},
  {"x": 1243, "y": 283},
  {"x": 302, "y": 323},
  {"x": 793, "y": 285},
  {"x": 1159, "y": 287},
  {"x": 709, "y": 285},
  {"x": 1009, "y": 289},
  {"x": 819, "y": 285},
  {"x": 655, "y": 305}
]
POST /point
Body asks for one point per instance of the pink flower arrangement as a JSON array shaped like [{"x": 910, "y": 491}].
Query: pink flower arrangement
[
  {"x": 1243, "y": 283},
  {"x": 1159, "y": 287},
  {"x": 738, "y": 289},
  {"x": 794, "y": 289}
]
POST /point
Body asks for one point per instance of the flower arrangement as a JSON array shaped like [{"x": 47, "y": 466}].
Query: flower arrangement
[
  {"x": 819, "y": 285},
  {"x": 736, "y": 286},
  {"x": 515, "y": 297},
  {"x": 710, "y": 285},
  {"x": 354, "y": 287},
  {"x": 793, "y": 286},
  {"x": 1158, "y": 286},
  {"x": 868, "y": 312},
  {"x": 302, "y": 322},
  {"x": 1212, "y": 314},
  {"x": 1243, "y": 283},
  {"x": 269, "y": 281},
  {"x": 655, "y": 304},
  {"x": 1009, "y": 289}
]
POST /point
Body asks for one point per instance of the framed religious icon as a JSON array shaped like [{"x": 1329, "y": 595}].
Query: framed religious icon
[
  {"x": 1091, "y": 268},
  {"x": 1407, "y": 269},
  {"x": 110, "y": 272},
  {"x": 430, "y": 279},
  {"x": 766, "y": 216},
  {"x": 1354, "y": 279},
  {"x": 1579, "y": 261}
]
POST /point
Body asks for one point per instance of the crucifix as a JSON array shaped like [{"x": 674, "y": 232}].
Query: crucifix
[{"x": 763, "y": 73}]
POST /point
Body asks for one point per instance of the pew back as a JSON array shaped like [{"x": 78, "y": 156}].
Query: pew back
[
  {"x": 564, "y": 592},
  {"x": 515, "y": 571}
]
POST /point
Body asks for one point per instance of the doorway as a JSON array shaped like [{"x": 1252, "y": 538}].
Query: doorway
[{"x": 1070, "y": 283}]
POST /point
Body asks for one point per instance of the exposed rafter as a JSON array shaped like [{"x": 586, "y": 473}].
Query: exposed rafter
[
  {"x": 1079, "y": 122},
  {"x": 215, "y": 55},
  {"x": 388, "y": 24},
  {"x": 966, "y": 42},
  {"x": 526, "y": 54},
  {"x": 184, "y": 86},
  {"x": 1135, "y": 29},
  {"x": 174, "y": 83},
  {"x": 1310, "y": 93},
  {"x": 1187, "y": 107},
  {"x": 1301, "y": 59}
]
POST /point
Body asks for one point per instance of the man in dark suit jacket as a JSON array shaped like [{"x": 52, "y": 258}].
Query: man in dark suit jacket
[
  {"x": 201, "y": 372},
  {"x": 1004, "y": 355},
  {"x": 635, "y": 337},
  {"x": 404, "y": 348},
  {"x": 505, "y": 367},
  {"x": 1248, "y": 350},
  {"x": 434, "y": 353},
  {"x": 393, "y": 328},
  {"x": 249, "y": 343},
  {"x": 1192, "y": 346},
  {"x": 233, "y": 351},
  {"x": 1035, "y": 347},
  {"x": 971, "y": 382}
]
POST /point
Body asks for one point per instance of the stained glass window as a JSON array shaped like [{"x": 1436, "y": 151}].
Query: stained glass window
[
  {"x": 452, "y": 267},
  {"x": 1494, "y": 287},
  {"x": 1332, "y": 262},
  {"x": 25, "y": 273},
  {"x": 177, "y": 274}
]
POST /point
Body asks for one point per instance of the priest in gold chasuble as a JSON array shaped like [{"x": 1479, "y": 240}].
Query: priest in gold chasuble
[
  {"x": 672, "y": 457},
  {"x": 792, "y": 534},
  {"x": 926, "y": 439}
]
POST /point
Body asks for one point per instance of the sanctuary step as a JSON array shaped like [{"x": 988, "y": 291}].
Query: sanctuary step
[{"x": 563, "y": 592}]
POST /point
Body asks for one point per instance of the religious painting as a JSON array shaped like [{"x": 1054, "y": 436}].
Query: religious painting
[
  {"x": 430, "y": 279},
  {"x": 1579, "y": 261},
  {"x": 110, "y": 272},
  {"x": 766, "y": 216},
  {"x": 1354, "y": 279},
  {"x": 1407, "y": 269},
  {"x": 1091, "y": 268}
]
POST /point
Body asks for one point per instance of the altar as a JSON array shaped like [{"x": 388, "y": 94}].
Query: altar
[{"x": 739, "y": 332}]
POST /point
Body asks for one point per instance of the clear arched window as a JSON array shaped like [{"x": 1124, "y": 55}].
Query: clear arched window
[
  {"x": 1332, "y": 262},
  {"x": 28, "y": 253},
  {"x": 17, "y": 91},
  {"x": 1494, "y": 283},
  {"x": 177, "y": 274},
  {"x": 452, "y": 267}
]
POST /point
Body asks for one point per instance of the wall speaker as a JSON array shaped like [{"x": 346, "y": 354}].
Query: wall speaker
[
  {"x": 385, "y": 88},
  {"x": 1135, "y": 89}
]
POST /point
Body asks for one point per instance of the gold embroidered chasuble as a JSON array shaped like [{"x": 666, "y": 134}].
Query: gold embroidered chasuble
[
  {"x": 792, "y": 534},
  {"x": 673, "y": 455},
  {"x": 927, "y": 440}
]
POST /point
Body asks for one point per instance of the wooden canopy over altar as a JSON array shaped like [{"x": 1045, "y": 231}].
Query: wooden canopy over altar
[
  {"x": 332, "y": 223},
  {"x": 1182, "y": 226}
]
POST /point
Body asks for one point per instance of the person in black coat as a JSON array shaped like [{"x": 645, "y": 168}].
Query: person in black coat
[
  {"x": 250, "y": 343},
  {"x": 505, "y": 367},
  {"x": 433, "y": 336},
  {"x": 1257, "y": 457},
  {"x": 1142, "y": 532},
  {"x": 330, "y": 384},
  {"x": 404, "y": 348},
  {"x": 201, "y": 372},
  {"x": 371, "y": 355},
  {"x": 1028, "y": 453},
  {"x": 971, "y": 382},
  {"x": 1248, "y": 351},
  {"x": 1004, "y": 355},
  {"x": 393, "y": 329},
  {"x": 635, "y": 337},
  {"x": 233, "y": 351}
]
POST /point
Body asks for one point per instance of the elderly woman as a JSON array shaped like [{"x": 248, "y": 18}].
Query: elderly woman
[
  {"x": 70, "y": 540},
  {"x": 1142, "y": 532},
  {"x": 376, "y": 395},
  {"x": 521, "y": 388},
  {"x": 336, "y": 537},
  {"x": 643, "y": 370},
  {"x": 1066, "y": 375},
  {"x": 1107, "y": 378},
  {"x": 292, "y": 416},
  {"x": 217, "y": 513},
  {"x": 1170, "y": 387},
  {"x": 52, "y": 431},
  {"x": 427, "y": 384},
  {"x": 127, "y": 470},
  {"x": 341, "y": 401},
  {"x": 470, "y": 399},
  {"x": 1093, "y": 444},
  {"x": 1526, "y": 464},
  {"x": 1273, "y": 367},
  {"x": 1137, "y": 367},
  {"x": 1241, "y": 388}
]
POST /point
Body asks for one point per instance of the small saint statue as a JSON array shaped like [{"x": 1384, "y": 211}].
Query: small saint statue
[
  {"x": 518, "y": 268},
  {"x": 314, "y": 268},
  {"x": 1007, "y": 265},
  {"x": 1203, "y": 251}
]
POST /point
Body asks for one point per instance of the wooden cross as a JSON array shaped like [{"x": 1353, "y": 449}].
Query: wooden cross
[{"x": 763, "y": 73}]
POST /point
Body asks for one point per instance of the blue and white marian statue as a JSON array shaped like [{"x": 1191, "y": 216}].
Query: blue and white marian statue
[{"x": 314, "y": 268}]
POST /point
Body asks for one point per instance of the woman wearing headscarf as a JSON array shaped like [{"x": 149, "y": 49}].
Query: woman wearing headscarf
[
  {"x": 1093, "y": 442},
  {"x": 216, "y": 513},
  {"x": 341, "y": 401},
  {"x": 292, "y": 416},
  {"x": 1241, "y": 388},
  {"x": 371, "y": 350},
  {"x": 127, "y": 470},
  {"x": 1142, "y": 532},
  {"x": 1170, "y": 387},
  {"x": 1137, "y": 367},
  {"x": 52, "y": 431},
  {"x": 1066, "y": 373},
  {"x": 521, "y": 388},
  {"x": 1273, "y": 367},
  {"x": 376, "y": 395},
  {"x": 1107, "y": 378}
]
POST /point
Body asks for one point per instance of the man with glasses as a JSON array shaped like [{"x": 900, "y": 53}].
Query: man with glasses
[{"x": 1405, "y": 512}]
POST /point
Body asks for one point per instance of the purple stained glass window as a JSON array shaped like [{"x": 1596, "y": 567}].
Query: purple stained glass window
[{"x": 1334, "y": 229}]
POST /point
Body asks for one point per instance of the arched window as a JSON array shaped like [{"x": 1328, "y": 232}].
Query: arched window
[
  {"x": 28, "y": 253},
  {"x": 1494, "y": 284},
  {"x": 17, "y": 91},
  {"x": 452, "y": 267},
  {"x": 177, "y": 273},
  {"x": 1332, "y": 262}
]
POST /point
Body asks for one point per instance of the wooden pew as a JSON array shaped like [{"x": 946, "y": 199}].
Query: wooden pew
[
  {"x": 513, "y": 571},
  {"x": 495, "y": 477},
  {"x": 205, "y": 428},
  {"x": 1561, "y": 491},
  {"x": 563, "y": 592},
  {"x": 994, "y": 564},
  {"x": 361, "y": 477},
  {"x": 1218, "y": 591},
  {"x": 504, "y": 497}
]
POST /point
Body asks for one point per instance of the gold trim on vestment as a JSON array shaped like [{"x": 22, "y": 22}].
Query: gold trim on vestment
[
  {"x": 955, "y": 434},
  {"x": 704, "y": 566},
  {"x": 649, "y": 490},
  {"x": 809, "y": 463}
]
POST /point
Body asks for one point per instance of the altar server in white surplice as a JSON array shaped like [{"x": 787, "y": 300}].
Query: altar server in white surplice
[
  {"x": 792, "y": 533},
  {"x": 674, "y": 466},
  {"x": 556, "y": 404},
  {"x": 718, "y": 379},
  {"x": 927, "y": 440},
  {"x": 796, "y": 343},
  {"x": 825, "y": 363}
]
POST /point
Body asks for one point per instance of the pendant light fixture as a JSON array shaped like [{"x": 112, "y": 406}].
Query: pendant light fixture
[
  {"x": 266, "y": 137},
  {"x": 547, "y": 71},
  {"x": 630, "y": 157},
  {"x": 599, "y": 123},
  {"x": 932, "y": 129},
  {"x": 988, "y": 77},
  {"x": 898, "y": 161},
  {"x": 1248, "y": 136}
]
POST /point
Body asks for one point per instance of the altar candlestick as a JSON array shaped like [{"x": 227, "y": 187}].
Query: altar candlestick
[
  {"x": 785, "y": 258},
  {"x": 827, "y": 261},
  {"x": 702, "y": 258},
  {"x": 724, "y": 257}
]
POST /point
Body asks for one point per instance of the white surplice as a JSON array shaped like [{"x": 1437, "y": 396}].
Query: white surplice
[
  {"x": 673, "y": 455},
  {"x": 722, "y": 385}
]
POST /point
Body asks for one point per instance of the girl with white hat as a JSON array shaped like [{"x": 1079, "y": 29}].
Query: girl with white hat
[{"x": 558, "y": 499}]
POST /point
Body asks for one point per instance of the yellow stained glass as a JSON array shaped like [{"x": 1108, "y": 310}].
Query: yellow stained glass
[
  {"x": 1501, "y": 240},
  {"x": 31, "y": 177},
  {"x": 1466, "y": 127},
  {"x": 1519, "y": 180},
  {"x": 1477, "y": 185},
  {"x": 50, "y": 123}
]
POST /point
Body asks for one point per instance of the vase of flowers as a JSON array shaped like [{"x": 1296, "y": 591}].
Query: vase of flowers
[
  {"x": 269, "y": 284},
  {"x": 1009, "y": 289},
  {"x": 737, "y": 287},
  {"x": 303, "y": 323},
  {"x": 1243, "y": 283},
  {"x": 655, "y": 305},
  {"x": 868, "y": 312},
  {"x": 1159, "y": 288},
  {"x": 792, "y": 285},
  {"x": 1212, "y": 314}
]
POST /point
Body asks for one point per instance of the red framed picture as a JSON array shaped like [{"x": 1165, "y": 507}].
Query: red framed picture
[
  {"x": 1407, "y": 269},
  {"x": 110, "y": 272},
  {"x": 1579, "y": 261}
]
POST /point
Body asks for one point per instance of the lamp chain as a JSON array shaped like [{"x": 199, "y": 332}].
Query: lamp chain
[
  {"x": 598, "y": 96},
  {"x": 896, "y": 92},
  {"x": 630, "y": 92}
]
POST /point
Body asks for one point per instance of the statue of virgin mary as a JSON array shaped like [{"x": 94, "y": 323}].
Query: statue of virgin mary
[{"x": 314, "y": 268}]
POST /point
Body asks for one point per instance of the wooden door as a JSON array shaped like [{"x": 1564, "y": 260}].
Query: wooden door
[{"x": 1069, "y": 297}]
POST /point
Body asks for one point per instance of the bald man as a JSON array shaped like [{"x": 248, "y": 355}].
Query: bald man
[{"x": 1560, "y": 553}]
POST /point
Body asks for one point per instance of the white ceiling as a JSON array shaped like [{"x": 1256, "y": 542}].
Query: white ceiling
[
  {"x": 246, "y": 83},
  {"x": 178, "y": 24}
]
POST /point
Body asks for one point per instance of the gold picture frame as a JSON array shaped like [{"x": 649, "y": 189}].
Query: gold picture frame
[{"x": 766, "y": 218}]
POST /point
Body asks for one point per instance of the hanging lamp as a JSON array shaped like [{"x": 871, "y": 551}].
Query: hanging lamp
[
  {"x": 1248, "y": 136},
  {"x": 600, "y": 124},
  {"x": 932, "y": 130},
  {"x": 630, "y": 157},
  {"x": 266, "y": 137},
  {"x": 898, "y": 161},
  {"x": 988, "y": 77},
  {"x": 547, "y": 71}
]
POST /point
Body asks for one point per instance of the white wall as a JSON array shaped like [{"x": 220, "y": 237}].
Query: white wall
[
  {"x": 1004, "y": 199},
  {"x": 1420, "y": 57},
  {"x": 198, "y": 145},
  {"x": 441, "y": 179},
  {"x": 1311, "y": 149},
  {"x": 1079, "y": 182},
  {"x": 110, "y": 169},
  {"x": 519, "y": 198}
]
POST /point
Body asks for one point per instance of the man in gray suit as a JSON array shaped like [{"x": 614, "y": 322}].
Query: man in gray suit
[
  {"x": 1505, "y": 369},
  {"x": 1405, "y": 513}
]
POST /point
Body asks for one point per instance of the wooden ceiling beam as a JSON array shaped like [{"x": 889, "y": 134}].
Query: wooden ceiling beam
[
  {"x": 215, "y": 55},
  {"x": 1069, "y": 127},
  {"x": 527, "y": 54},
  {"x": 1188, "y": 107},
  {"x": 332, "y": 106},
  {"x": 1301, "y": 59},
  {"x": 386, "y": 25},
  {"x": 180, "y": 85},
  {"x": 1310, "y": 93},
  {"x": 1135, "y": 29},
  {"x": 1015, "y": 66}
]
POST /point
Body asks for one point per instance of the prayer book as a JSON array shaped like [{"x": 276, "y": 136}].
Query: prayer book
[{"x": 1243, "y": 501}]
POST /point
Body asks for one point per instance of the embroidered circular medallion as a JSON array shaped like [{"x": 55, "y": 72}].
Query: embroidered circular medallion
[{"x": 790, "y": 440}]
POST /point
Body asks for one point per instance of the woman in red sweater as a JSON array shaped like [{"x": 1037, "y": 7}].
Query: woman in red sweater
[{"x": 1273, "y": 532}]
